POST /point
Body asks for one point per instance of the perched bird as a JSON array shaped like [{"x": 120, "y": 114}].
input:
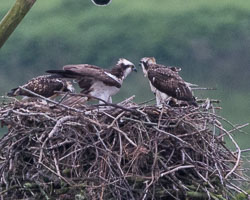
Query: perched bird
[
  {"x": 95, "y": 81},
  {"x": 165, "y": 82},
  {"x": 46, "y": 86},
  {"x": 101, "y": 2}
]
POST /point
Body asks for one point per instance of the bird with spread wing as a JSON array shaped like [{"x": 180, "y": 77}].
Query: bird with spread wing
[{"x": 95, "y": 81}]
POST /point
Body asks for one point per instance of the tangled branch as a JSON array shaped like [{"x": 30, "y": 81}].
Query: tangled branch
[{"x": 122, "y": 151}]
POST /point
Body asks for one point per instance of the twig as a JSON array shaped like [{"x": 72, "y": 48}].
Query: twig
[
  {"x": 49, "y": 100},
  {"x": 238, "y": 151},
  {"x": 125, "y": 135},
  {"x": 176, "y": 169}
]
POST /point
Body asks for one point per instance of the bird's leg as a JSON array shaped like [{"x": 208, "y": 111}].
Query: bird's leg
[
  {"x": 158, "y": 98},
  {"x": 110, "y": 99},
  {"x": 158, "y": 101}
]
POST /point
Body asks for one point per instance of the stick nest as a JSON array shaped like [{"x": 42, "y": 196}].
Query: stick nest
[{"x": 123, "y": 151}]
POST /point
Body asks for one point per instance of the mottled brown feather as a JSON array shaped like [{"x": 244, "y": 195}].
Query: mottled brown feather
[
  {"x": 85, "y": 74},
  {"x": 43, "y": 85},
  {"x": 169, "y": 82}
]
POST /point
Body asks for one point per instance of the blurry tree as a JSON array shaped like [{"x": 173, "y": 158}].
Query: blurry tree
[
  {"x": 15, "y": 15},
  {"x": 11, "y": 20}
]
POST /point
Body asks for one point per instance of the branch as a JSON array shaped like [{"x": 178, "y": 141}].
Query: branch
[
  {"x": 11, "y": 20},
  {"x": 50, "y": 101}
]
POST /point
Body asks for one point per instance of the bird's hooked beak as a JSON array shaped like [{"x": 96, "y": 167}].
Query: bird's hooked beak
[{"x": 134, "y": 68}]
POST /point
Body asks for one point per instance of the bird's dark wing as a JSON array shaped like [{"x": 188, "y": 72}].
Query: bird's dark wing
[
  {"x": 169, "y": 82},
  {"x": 173, "y": 68},
  {"x": 88, "y": 73}
]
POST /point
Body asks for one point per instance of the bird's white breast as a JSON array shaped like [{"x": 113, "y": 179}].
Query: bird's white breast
[
  {"x": 153, "y": 89},
  {"x": 144, "y": 71},
  {"x": 102, "y": 91}
]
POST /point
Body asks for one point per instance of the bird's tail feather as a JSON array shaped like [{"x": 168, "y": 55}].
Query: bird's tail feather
[
  {"x": 12, "y": 92},
  {"x": 63, "y": 73}
]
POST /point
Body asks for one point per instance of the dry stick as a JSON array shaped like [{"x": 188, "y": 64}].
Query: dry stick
[
  {"x": 201, "y": 88},
  {"x": 11, "y": 98},
  {"x": 144, "y": 102},
  {"x": 10, "y": 188},
  {"x": 238, "y": 189},
  {"x": 243, "y": 151},
  {"x": 52, "y": 132},
  {"x": 55, "y": 161},
  {"x": 105, "y": 103},
  {"x": 171, "y": 135},
  {"x": 59, "y": 123},
  {"x": 210, "y": 101},
  {"x": 34, "y": 114},
  {"x": 125, "y": 135},
  {"x": 176, "y": 169},
  {"x": 146, "y": 190},
  {"x": 51, "y": 101},
  {"x": 125, "y": 180},
  {"x": 64, "y": 179},
  {"x": 115, "y": 120},
  {"x": 220, "y": 175},
  {"x": 153, "y": 169},
  {"x": 99, "y": 136},
  {"x": 160, "y": 117},
  {"x": 63, "y": 97},
  {"x": 239, "y": 127},
  {"x": 60, "y": 144},
  {"x": 207, "y": 181},
  {"x": 235, "y": 129},
  {"x": 208, "y": 193},
  {"x": 126, "y": 101},
  {"x": 121, "y": 149},
  {"x": 75, "y": 151},
  {"x": 238, "y": 149},
  {"x": 220, "y": 117}
]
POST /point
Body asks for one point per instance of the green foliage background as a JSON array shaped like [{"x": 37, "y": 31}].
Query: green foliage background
[{"x": 210, "y": 40}]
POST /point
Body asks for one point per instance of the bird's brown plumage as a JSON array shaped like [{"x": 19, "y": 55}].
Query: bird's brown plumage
[
  {"x": 85, "y": 74},
  {"x": 167, "y": 80},
  {"x": 46, "y": 86},
  {"x": 95, "y": 81}
]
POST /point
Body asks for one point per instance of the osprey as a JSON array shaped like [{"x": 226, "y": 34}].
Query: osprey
[
  {"x": 95, "y": 81},
  {"x": 165, "y": 81},
  {"x": 46, "y": 86}
]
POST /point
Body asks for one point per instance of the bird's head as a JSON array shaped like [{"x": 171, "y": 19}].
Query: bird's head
[
  {"x": 145, "y": 63},
  {"x": 126, "y": 66}
]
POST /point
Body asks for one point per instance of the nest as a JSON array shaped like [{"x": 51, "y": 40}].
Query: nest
[{"x": 115, "y": 151}]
